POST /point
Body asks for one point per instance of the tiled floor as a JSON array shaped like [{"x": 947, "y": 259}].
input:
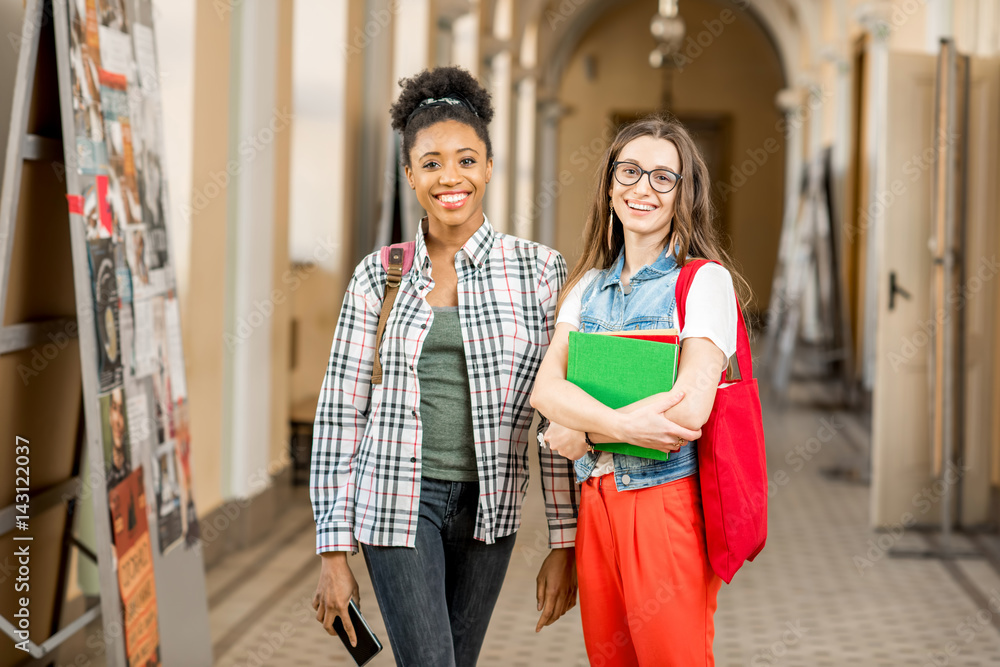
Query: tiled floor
[
  {"x": 811, "y": 598},
  {"x": 824, "y": 591}
]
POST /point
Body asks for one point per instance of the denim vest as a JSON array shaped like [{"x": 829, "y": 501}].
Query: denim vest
[{"x": 649, "y": 305}]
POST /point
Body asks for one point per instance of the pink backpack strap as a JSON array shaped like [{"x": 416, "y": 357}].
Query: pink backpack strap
[
  {"x": 409, "y": 250},
  {"x": 397, "y": 259}
]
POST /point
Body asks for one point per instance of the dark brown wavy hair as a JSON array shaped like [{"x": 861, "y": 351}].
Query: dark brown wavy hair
[{"x": 692, "y": 228}]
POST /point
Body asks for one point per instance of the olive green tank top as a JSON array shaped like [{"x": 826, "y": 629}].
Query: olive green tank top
[{"x": 448, "y": 450}]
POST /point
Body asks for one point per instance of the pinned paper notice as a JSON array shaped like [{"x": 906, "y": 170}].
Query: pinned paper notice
[
  {"x": 145, "y": 341},
  {"x": 139, "y": 426},
  {"x": 172, "y": 315},
  {"x": 145, "y": 58},
  {"x": 116, "y": 51}
]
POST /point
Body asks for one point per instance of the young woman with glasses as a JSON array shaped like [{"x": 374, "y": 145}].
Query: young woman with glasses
[
  {"x": 647, "y": 590},
  {"x": 427, "y": 470}
]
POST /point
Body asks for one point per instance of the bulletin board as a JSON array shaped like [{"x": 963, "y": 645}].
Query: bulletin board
[
  {"x": 131, "y": 360},
  {"x": 118, "y": 197}
]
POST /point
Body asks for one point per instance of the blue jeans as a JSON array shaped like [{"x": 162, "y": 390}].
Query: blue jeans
[{"x": 437, "y": 598}]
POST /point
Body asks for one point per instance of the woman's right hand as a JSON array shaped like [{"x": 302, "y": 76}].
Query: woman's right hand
[
  {"x": 336, "y": 587},
  {"x": 646, "y": 425},
  {"x": 565, "y": 441}
]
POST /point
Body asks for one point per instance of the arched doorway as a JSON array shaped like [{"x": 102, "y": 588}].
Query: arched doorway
[{"x": 728, "y": 88}]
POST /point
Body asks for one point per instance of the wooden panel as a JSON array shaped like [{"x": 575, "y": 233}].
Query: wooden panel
[
  {"x": 982, "y": 286},
  {"x": 855, "y": 217}
]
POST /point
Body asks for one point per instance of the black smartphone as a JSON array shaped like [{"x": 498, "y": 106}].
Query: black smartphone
[{"x": 368, "y": 644}]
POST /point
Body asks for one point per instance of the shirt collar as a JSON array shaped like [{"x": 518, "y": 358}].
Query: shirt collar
[
  {"x": 614, "y": 273},
  {"x": 476, "y": 249},
  {"x": 663, "y": 265}
]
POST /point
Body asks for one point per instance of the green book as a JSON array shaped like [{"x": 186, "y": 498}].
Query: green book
[{"x": 619, "y": 371}]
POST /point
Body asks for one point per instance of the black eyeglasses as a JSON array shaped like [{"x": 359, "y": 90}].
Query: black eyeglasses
[{"x": 661, "y": 180}]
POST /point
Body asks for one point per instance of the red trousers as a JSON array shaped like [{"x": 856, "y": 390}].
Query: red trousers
[{"x": 647, "y": 590}]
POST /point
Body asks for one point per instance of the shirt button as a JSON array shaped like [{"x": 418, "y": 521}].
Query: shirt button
[
  {"x": 626, "y": 479},
  {"x": 423, "y": 326},
  {"x": 413, "y": 412},
  {"x": 411, "y": 367},
  {"x": 413, "y": 459}
]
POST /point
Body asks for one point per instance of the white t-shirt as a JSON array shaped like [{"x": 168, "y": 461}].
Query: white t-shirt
[
  {"x": 710, "y": 312},
  {"x": 710, "y": 308}
]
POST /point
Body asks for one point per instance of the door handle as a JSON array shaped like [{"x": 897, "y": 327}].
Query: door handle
[{"x": 895, "y": 289}]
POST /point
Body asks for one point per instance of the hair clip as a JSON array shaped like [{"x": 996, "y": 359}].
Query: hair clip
[{"x": 450, "y": 100}]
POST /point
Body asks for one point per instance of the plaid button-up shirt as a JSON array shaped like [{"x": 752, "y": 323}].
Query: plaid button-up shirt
[{"x": 365, "y": 478}]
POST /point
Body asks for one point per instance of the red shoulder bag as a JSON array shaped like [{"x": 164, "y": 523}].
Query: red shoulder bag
[{"x": 732, "y": 461}]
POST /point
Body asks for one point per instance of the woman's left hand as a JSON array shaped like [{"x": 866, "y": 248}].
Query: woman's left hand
[
  {"x": 565, "y": 441},
  {"x": 556, "y": 586}
]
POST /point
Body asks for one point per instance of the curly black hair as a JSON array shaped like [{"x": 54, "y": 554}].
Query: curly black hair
[{"x": 475, "y": 108}]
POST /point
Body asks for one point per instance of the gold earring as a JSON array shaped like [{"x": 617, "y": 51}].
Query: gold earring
[{"x": 611, "y": 221}]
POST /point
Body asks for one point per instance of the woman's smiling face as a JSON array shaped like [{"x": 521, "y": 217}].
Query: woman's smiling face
[
  {"x": 449, "y": 171},
  {"x": 644, "y": 212}
]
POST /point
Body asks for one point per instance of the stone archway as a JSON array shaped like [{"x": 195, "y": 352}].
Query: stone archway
[
  {"x": 793, "y": 25},
  {"x": 785, "y": 35}
]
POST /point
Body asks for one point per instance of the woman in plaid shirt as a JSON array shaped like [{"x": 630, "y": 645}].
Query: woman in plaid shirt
[{"x": 427, "y": 470}]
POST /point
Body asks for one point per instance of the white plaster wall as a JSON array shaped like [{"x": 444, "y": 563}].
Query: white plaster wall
[
  {"x": 321, "y": 46},
  {"x": 174, "y": 26}
]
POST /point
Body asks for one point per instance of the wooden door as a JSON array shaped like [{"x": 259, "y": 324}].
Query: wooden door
[
  {"x": 923, "y": 323},
  {"x": 899, "y": 209},
  {"x": 980, "y": 442}
]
